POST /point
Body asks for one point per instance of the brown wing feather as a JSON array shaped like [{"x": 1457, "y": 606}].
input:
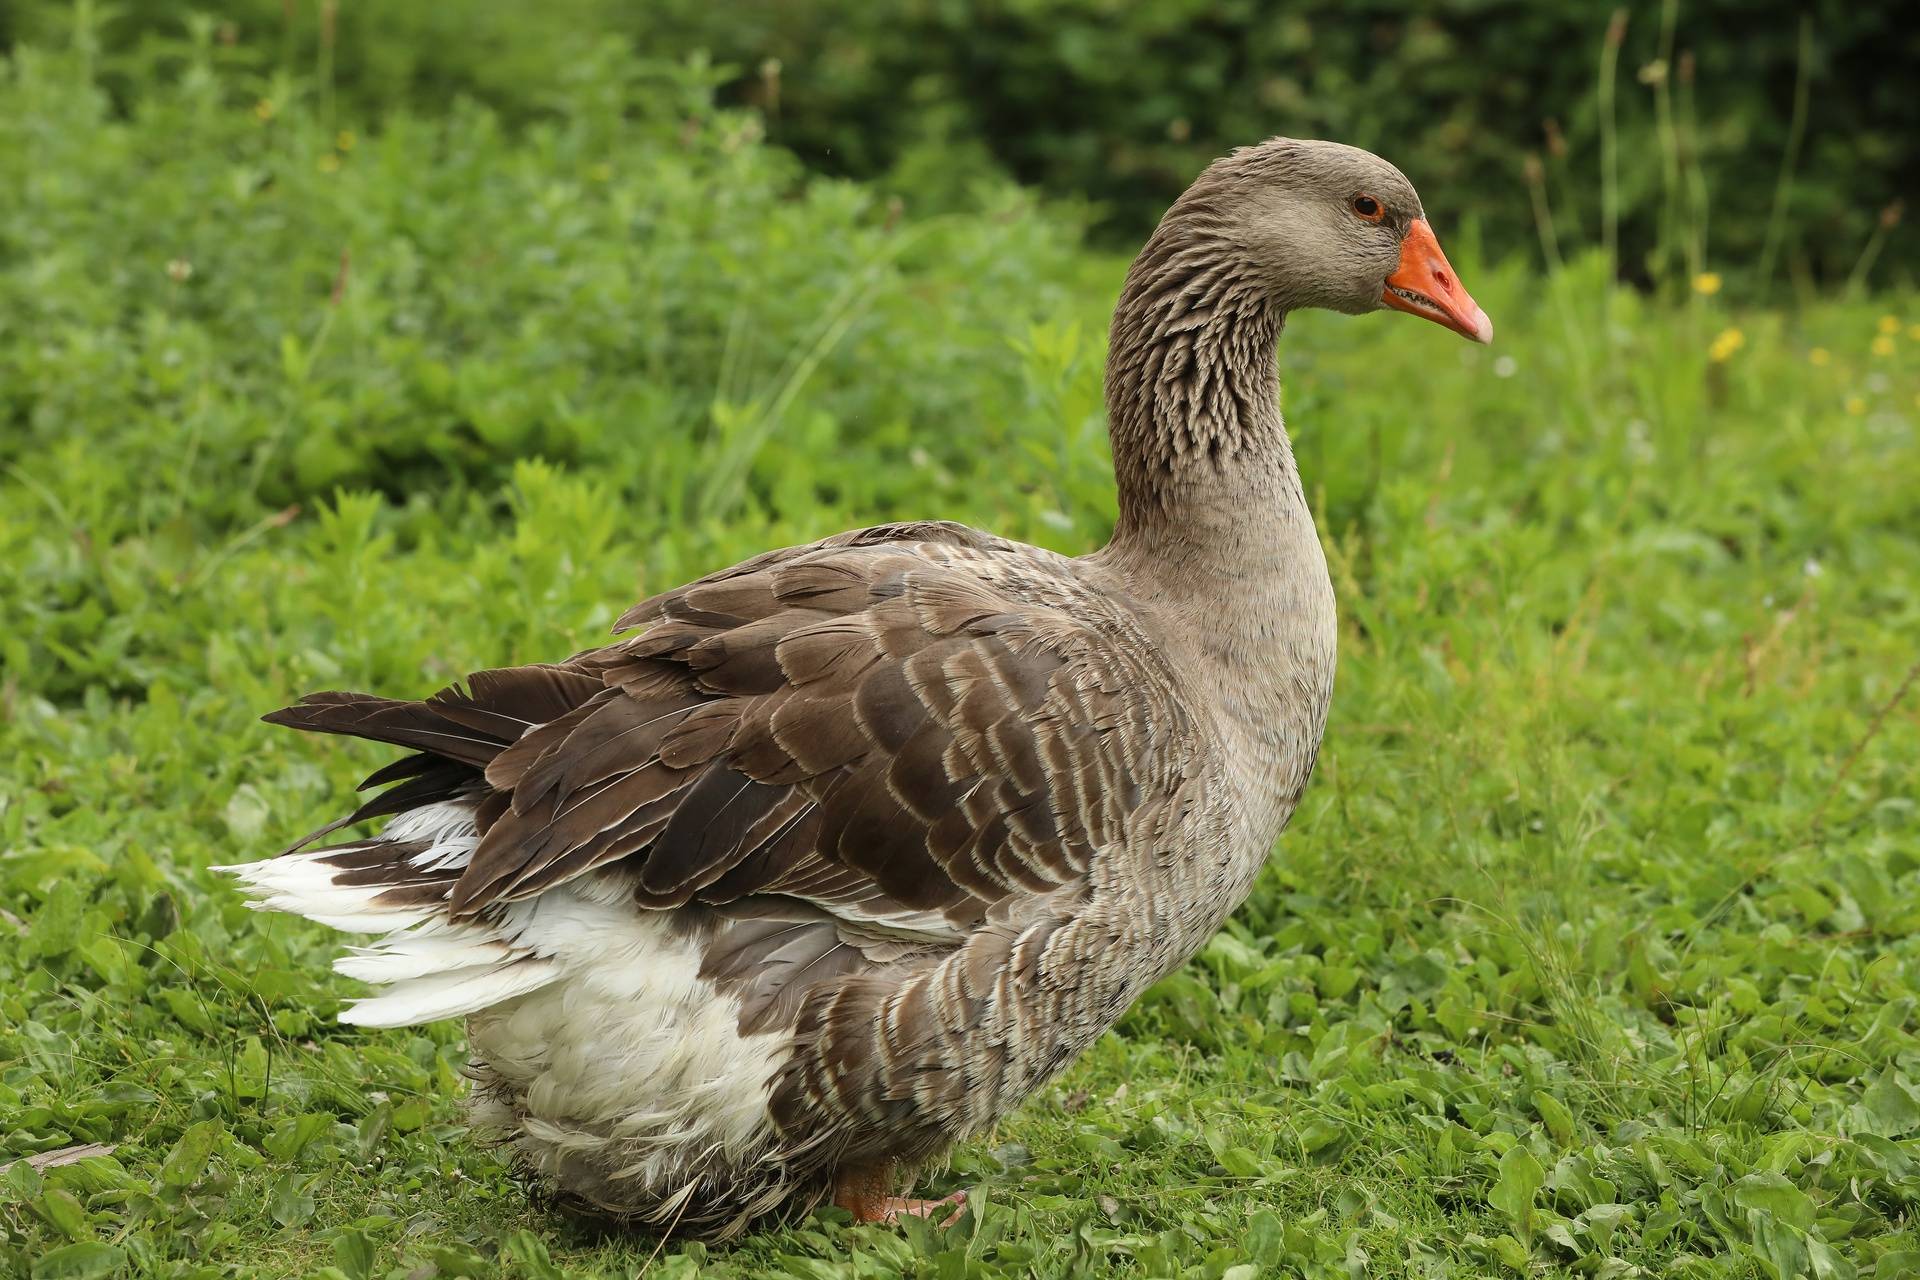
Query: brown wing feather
[
  {"x": 908, "y": 725},
  {"x": 895, "y": 721}
]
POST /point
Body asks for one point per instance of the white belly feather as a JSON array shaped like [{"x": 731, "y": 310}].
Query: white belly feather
[{"x": 603, "y": 1056}]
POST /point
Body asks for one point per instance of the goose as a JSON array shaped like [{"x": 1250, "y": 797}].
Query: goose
[{"x": 842, "y": 852}]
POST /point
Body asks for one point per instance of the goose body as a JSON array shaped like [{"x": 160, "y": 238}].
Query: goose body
[{"x": 846, "y": 849}]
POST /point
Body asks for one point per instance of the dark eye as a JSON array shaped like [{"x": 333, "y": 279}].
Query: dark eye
[{"x": 1367, "y": 207}]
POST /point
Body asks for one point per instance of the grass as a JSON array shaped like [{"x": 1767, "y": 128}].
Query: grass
[{"x": 1595, "y": 947}]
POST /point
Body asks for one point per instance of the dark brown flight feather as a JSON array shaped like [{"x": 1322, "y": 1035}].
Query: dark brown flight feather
[{"x": 871, "y": 715}]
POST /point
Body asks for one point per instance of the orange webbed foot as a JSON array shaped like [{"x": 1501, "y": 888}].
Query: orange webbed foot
[
  {"x": 864, "y": 1193},
  {"x": 893, "y": 1208}
]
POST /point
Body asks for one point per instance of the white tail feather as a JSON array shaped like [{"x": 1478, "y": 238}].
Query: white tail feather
[
  {"x": 301, "y": 884},
  {"x": 613, "y": 1065},
  {"x": 451, "y": 994},
  {"x": 420, "y": 951},
  {"x": 431, "y": 967}
]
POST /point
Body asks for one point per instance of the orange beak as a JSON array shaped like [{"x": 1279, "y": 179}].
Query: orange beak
[{"x": 1424, "y": 285}]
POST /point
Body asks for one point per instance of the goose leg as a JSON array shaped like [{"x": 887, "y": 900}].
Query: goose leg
[{"x": 865, "y": 1192}]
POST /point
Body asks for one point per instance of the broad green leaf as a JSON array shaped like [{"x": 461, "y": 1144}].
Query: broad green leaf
[
  {"x": 1829, "y": 1263},
  {"x": 1782, "y": 1245},
  {"x": 1521, "y": 1178},
  {"x": 23, "y": 1181},
  {"x": 190, "y": 1154},
  {"x": 530, "y": 1252},
  {"x": 1239, "y": 1162},
  {"x": 1556, "y": 1117},
  {"x": 294, "y": 1134},
  {"x": 353, "y": 1254},
  {"x": 56, "y": 926},
  {"x": 1512, "y": 1252},
  {"x": 461, "y": 1262},
  {"x": 1771, "y": 1193},
  {"x": 189, "y": 1008},
  {"x": 1562, "y": 1234},
  {"x": 84, "y": 1260},
  {"x": 291, "y": 1202},
  {"x": 64, "y": 1213},
  {"x": 1888, "y": 1105},
  {"x": 1265, "y": 1237}
]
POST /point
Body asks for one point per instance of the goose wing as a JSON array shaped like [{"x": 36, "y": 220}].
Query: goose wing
[
  {"x": 903, "y": 726},
  {"x": 899, "y": 726}
]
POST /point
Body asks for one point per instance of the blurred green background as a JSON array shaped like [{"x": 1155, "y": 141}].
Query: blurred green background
[{"x": 1775, "y": 136}]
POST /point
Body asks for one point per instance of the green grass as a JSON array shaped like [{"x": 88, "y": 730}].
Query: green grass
[{"x": 1595, "y": 946}]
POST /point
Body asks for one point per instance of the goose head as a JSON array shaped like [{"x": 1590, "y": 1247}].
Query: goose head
[{"x": 1331, "y": 226}]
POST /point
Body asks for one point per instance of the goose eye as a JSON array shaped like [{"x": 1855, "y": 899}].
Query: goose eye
[{"x": 1367, "y": 207}]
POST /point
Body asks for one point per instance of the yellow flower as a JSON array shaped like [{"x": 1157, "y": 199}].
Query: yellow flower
[
  {"x": 1728, "y": 342},
  {"x": 1820, "y": 356},
  {"x": 329, "y": 163},
  {"x": 344, "y": 140},
  {"x": 1889, "y": 325},
  {"x": 1913, "y": 331},
  {"x": 1707, "y": 282},
  {"x": 601, "y": 172},
  {"x": 1856, "y": 406},
  {"x": 1883, "y": 345},
  {"x": 263, "y": 110}
]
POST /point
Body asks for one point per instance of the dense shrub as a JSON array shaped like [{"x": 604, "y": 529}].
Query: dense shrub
[
  {"x": 635, "y": 283},
  {"x": 1122, "y": 100}
]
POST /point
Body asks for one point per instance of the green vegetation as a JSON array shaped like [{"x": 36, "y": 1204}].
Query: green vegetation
[
  {"x": 1775, "y": 137},
  {"x": 1596, "y": 944}
]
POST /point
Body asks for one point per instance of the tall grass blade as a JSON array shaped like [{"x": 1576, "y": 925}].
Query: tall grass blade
[
  {"x": 1857, "y": 278},
  {"x": 1610, "y": 142},
  {"x": 1659, "y": 74},
  {"x": 1790, "y": 158}
]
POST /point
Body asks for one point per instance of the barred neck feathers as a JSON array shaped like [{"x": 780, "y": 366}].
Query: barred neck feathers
[
  {"x": 1214, "y": 538},
  {"x": 1193, "y": 399}
]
